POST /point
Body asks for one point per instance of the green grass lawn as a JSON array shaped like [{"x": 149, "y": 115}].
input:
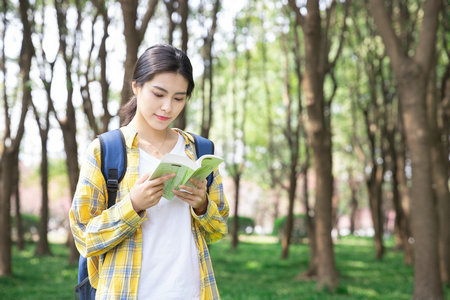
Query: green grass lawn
[{"x": 253, "y": 271}]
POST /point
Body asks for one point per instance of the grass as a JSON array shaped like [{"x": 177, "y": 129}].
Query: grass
[{"x": 253, "y": 271}]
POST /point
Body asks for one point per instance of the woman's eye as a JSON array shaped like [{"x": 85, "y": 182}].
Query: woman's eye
[
  {"x": 179, "y": 99},
  {"x": 157, "y": 94}
]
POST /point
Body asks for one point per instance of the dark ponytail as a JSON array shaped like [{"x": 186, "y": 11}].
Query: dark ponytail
[{"x": 157, "y": 59}]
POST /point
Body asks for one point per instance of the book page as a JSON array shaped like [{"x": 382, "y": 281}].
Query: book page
[
  {"x": 208, "y": 164},
  {"x": 182, "y": 172}
]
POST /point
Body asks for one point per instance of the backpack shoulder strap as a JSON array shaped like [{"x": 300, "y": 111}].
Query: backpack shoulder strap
[
  {"x": 113, "y": 161},
  {"x": 203, "y": 146}
]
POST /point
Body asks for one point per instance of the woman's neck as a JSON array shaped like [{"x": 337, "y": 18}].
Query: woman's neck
[
  {"x": 155, "y": 142},
  {"x": 149, "y": 134}
]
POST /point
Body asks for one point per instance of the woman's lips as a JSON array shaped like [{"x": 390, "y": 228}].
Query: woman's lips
[{"x": 162, "y": 118}]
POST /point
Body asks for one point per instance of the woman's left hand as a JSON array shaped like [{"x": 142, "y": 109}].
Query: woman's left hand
[{"x": 194, "y": 196}]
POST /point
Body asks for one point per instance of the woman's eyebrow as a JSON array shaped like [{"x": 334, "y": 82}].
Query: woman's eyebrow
[{"x": 166, "y": 91}]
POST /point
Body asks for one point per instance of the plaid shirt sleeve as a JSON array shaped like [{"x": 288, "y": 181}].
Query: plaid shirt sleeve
[
  {"x": 213, "y": 224},
  {"x": 96, "y": 229}
]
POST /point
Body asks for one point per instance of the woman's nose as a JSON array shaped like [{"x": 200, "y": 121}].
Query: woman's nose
[{"x": 167, "y": 104}]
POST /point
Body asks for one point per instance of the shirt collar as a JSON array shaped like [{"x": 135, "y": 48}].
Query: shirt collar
[{"x": 131, "y": 139}]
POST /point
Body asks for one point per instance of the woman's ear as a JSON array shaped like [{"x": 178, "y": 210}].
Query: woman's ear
[{"x": 134, "y": 87}]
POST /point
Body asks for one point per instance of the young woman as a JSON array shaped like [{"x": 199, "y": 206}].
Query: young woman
[{"x": 144, "y": 246}]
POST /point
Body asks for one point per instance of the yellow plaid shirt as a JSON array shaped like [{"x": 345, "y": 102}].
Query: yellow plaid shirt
[{"x": 116, "y": 232}]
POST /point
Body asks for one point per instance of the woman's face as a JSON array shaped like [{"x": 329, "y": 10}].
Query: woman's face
[{"x": 160, "y": 100}]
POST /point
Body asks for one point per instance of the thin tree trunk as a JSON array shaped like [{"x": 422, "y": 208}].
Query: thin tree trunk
[
  {"x": 183, "y": 10},
  {"x": 18, "y": 214},
  {"x": 208, "y": 40},
  {"x": 42, "y": 247},
  {"x": 401, "y": 224},
  {"x": 11, "y": 146},
  {"x": 353, "y": 201},
  {"x": 7, "y": 167},
  {"x": 238, "y": 166},
  {"x": 68, "y": 124},
  {"x": 235, "y": 226},
  {"x": 374, "y": 185}
]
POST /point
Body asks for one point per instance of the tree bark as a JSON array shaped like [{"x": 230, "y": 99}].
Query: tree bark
[
  {"x": 237, "y": 166},
  {"x": 316, "y": 67},
  {"x": 68, "y": 124},
  {"x": 401, "y": 222},
  {"x": 133, "y": 39},
  {"x": 207, "y": 76},
  {"x": 20, "y": 242},
  {"x": 11, "y": 146},
  {"x": 43, "y": 247},
  {"x": 412, "y": 75},
  {"x": 440, "y": 180},
  {"x": 183, "y": 10}
]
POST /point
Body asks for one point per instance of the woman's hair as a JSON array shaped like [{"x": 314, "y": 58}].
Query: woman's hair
[{"x": 157, "y": 59}]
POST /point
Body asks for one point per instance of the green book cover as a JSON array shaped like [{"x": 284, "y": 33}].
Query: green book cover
[{"x": 185, "y": 169}]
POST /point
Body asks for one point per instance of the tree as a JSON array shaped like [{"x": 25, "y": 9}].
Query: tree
[
  {"x": 11, "y": 144},
  {"x": 43, "y": 123},
  {"x": 207, "y": 76},
  {"x": 412, "y": 73},
  {"x": 317, "y": 66},
  {"x": 238, "y": 159},
  {"x": 89, "y": 75},
  {"x": 180, "y": 8},
  {"x": 68, "y": 123},
  {"x": 134, "y": 35},
  {"x": 291, "y": 132}
]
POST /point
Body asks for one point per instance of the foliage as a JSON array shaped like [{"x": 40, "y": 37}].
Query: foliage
[
  {"x": 298, "y": 231},
  {"x": 253, "y": 271},
  {"x": 246, "y": 225}
]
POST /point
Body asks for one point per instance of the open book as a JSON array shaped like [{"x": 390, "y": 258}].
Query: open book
[{"x": 185, "y": 169}]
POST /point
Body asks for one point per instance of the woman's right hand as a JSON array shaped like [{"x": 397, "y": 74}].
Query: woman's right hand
[{"x": 145, "y": 194}]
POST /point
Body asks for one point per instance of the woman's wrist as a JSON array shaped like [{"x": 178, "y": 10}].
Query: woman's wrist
[{"x": 201, "y": 210}]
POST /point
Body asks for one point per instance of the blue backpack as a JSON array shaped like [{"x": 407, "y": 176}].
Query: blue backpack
[{"x": 114, "y": 165}]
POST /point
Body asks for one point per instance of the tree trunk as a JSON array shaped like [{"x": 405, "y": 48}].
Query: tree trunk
[
  {"x": 7, "y": 166},
  {"x": 319, "y": 133},
  {"x": 235, "y": 226},
  {"x": 288, "y": 225},
  {"x": 353, "y": 201},
  {"x": 11, "y": 147},
  {"x": 401, "y": 224},
  {"x": 42, "y": 247},
  {"x": 405, "y": 198},
  {"x": 208, "y": 41},
  {"x": 183, "y": 10},
  {"x": 68, "y": 124},
  {"x": 423, "y": 206},
  {"x": 133, "y": 39},
  {"x": 412, "y": 75},
  {"x": 18, "y": 214},
  {"x": 374, "y": 185},
  {"x": 440, "y": 180}
]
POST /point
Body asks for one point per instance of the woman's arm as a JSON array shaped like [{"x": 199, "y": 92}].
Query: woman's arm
[
  {"x": 95, "y": 228},
  {"x": 214, "y": 220}
]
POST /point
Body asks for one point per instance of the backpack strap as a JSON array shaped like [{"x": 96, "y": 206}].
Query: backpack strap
[
  {"x": 203, "y": 146},
  {"x": 113, "y": 161}
]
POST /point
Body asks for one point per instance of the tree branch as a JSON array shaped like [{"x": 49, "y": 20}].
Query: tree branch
[
  {"x": 151, "y": 9},
  {"x": 386, "y": 31},
  {"x": 298, "y": 16},
  {"x": 427, "y": 34}
]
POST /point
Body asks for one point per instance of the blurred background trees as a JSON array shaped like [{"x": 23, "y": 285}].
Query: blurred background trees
[{"x": 323, "y": 110}]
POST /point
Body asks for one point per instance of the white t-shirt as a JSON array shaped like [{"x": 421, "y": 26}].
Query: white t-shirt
[{"x": 170, "y": 267}]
